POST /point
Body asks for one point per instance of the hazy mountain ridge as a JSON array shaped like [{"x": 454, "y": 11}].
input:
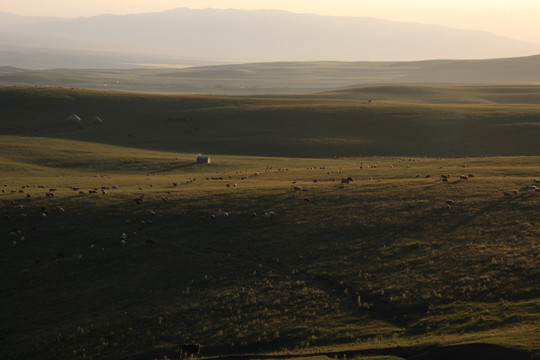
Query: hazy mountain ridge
[{"x": 264, "y": 35}]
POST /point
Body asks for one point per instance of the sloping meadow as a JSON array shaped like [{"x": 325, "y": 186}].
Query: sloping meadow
[
  {"x": 138, "y": 251},
  {"x": 442, "y": 122}
]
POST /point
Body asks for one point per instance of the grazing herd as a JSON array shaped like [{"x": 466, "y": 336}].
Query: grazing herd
[{"x": 18, "y": 235}]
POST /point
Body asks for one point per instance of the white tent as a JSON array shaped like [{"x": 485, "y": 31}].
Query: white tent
[{"x": 74, "y": 118}]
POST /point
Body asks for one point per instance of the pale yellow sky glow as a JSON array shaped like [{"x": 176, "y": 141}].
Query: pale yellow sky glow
[{"x": 511, "y": 18}]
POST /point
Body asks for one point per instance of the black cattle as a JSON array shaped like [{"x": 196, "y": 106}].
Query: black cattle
[{"x": 190, "y": 350}]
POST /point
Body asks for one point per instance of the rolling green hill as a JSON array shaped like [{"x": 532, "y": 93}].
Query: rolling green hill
[
  {"x": 377, "y": 258},
  {"x": 379, "y": 266},
  {"x": 441, "y": 122},
  {"x": 286, "y": 77}
]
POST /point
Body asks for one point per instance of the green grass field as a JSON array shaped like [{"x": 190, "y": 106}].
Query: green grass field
[
  {"x": 474, "y": 121},
  {"x": 343, "y": 269}
]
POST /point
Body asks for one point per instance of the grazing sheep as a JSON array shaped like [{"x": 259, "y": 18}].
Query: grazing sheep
[
  {"x": 450, "y": 203},
  {"x": 463, "y": 177},
  {"x": 297, "y": 188},
  {"x": 123, "y": 236},
  {"x": 149, "y": 242},
  {"x": 532, "y": 187},
  {"x": 444, "y": 180},
  {"x": 115, "y": 187},
  {"x": 537, "y": 181},
  {"x": 164, "y": 198},
  {"x": 123, "y": 242},
  {"x": 417, "y": 176},
  {"x": 515, "y": 192},
  {"x": 138, "y": 199}
]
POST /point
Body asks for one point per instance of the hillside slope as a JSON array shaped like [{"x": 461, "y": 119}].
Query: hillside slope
[
  {"x": 284, "y": 77},
  {"x": 499, "y": 121},
  {"x": 375, "y": 266}
]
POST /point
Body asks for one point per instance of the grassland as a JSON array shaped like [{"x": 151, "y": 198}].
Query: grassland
[
  {"x": 353, "y": 269},
  {"x": 473, "y": 121},
  {"x": 285, "y": 77}
]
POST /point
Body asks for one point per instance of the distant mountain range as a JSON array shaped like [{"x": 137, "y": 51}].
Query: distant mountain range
[{"x": 202, "y": 37}]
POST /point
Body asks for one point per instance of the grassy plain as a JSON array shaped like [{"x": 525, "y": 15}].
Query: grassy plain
[
  {"x": 285, "y": 77},
  {"x": 353, "y": 269}
]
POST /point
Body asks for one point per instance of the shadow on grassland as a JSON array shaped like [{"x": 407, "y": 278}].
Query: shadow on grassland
[{"x": 461, "y": 352}]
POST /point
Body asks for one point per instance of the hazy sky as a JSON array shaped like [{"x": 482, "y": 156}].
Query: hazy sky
[{"x": 518, "y": 19}]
